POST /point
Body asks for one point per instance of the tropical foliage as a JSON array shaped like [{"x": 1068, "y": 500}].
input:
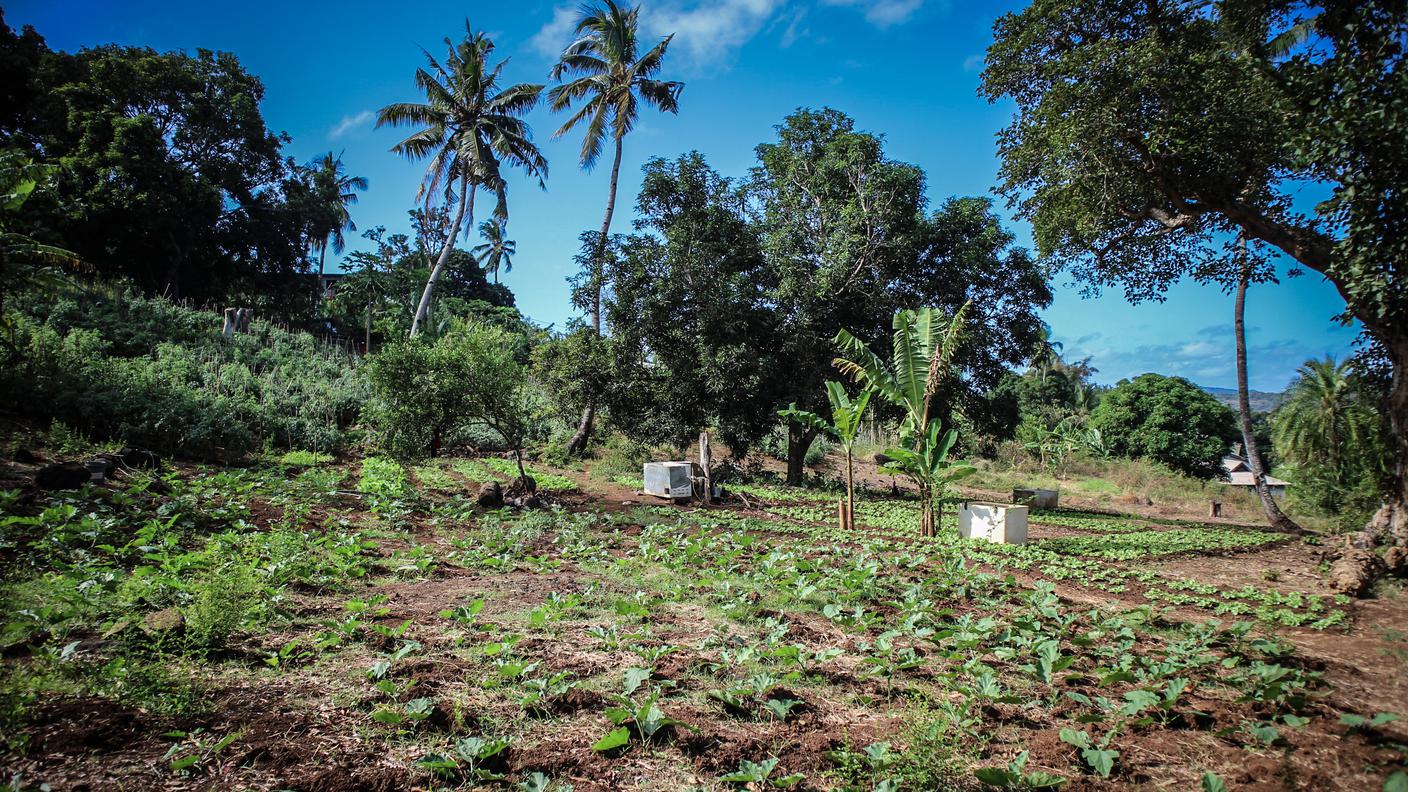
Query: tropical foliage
[
  {"x": 1332, "y": 436},
  {"x": 469, "y": 130},
  {"x": 845, "y": 425},
  {"x": 920, "y": 368}
]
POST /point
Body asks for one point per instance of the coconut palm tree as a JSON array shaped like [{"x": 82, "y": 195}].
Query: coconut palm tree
[
  {"x": 1274, "y": 515},
  {"x": 1046, "y": 354},
  {"x": 496, "y": 251},
  {"x": 336, "y": 191},
  {"x": 921, "y": 364},
  {"x": 607, "y": 77},
  {"x": 469, "y": 129},
  {"x": 1323, "y": 416}
]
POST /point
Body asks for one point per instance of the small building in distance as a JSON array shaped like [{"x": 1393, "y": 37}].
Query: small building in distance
[{"x": 1239, "y": 474}]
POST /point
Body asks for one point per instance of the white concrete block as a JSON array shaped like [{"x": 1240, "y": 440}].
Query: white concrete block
[
  {"x": 1036, "y": 498},
  {"x": 993, "y": 522}
]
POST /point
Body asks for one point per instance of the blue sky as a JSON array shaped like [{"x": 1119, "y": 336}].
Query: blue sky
[{"x": 907, "y": 69}]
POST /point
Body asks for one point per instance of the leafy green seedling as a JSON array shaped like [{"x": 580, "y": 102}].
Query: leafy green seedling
[
  {"x": 1014, "y": 776},
  {"x": 760, "y": 773},
  {"x": 1098, "y": 756}
]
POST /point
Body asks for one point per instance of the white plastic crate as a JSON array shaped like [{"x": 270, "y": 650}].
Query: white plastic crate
[
  {"x": 993, "y": 522},
  {"x": 668, "y": 479}
]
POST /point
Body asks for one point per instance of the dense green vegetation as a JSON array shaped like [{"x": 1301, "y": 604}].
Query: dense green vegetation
[
  {"x": 397, "y": 539},
  {"x": 113, "y": 364}
]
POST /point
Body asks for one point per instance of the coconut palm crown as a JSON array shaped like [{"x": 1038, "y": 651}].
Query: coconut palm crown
[
  {"x": 497, "y": 250},
  {"x": 469, "y": 129}
]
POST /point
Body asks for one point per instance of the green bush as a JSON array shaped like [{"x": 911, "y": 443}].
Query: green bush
[
  {"x": 152, "y": 373},
  {"x": 1168, "y": 420},
  {"x": 468, "y": 383}
]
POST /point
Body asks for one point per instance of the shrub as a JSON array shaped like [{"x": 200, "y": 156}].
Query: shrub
[
  {"x": 152, "y": 373},
  {"x": 1169, "y": 420},
  {"x": 468, "y": 378}
]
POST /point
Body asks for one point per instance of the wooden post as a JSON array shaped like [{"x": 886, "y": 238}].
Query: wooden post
[{"x": 706, "y": 459}]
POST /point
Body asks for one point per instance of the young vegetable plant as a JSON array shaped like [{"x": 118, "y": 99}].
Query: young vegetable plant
[
  {"x": 844, "y": 425},
  {"x": 475, "y": 752},
  {"x": 643, "y": 718},
  {"x": 193, "y": 748},
  {"x": 1015, "y": 776},
  {"x": 1098, "y": 756},
  {"x": 760, "y": 773}
]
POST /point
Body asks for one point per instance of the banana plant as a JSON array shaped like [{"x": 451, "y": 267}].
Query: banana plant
[
  {"x": 927, "y": 464},
  {"x": 844, "y": 425},
  {"x": 921, "y": 362}
]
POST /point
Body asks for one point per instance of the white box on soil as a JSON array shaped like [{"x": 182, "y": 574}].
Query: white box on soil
[
  {"x": 993, "y": 522},
  {"x": 668, "y": 479}
]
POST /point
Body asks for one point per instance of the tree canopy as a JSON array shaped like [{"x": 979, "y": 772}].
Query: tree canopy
[
  {"x": 848, "y": 243},
  {"x": 168, "y": 174},
  {"x": 1168, "y": 420},
  {"x": 1148, "y": 134}
]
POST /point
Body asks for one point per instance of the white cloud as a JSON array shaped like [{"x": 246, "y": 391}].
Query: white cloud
[
  {"x": 882, "y": 13},
  {"x": 553, "y": 37},
  {"x": 974, "y": 63},
  {"x": 794, "y": 29},
  {"x": 349, "y": 123},
  {"x": 707, "y": 32},
  {"x": 1206, "y": 361}
]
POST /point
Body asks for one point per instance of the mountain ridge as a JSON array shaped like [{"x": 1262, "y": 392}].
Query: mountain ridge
[{"x": 1261, "y": 401}]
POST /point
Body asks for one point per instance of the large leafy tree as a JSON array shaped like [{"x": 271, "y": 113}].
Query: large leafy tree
[
  {"x": 169, "y": 176},
  {"x": 336, "y": 190},
  {"x": 1146, "y": 132},
  {"x": 848, "y": 243},
  {"x": 1168, "y": 420},
  {"x": 607, "y": 78},
  {"x": 690, "y": 325},
  {"x": 469, "y": 129}
]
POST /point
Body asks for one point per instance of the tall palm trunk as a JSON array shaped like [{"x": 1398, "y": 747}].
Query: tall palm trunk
[
  {"x": 466, "y": 203},
  {"x": 1274, "y": 515},
  {"x": 583, "y": 435},
  {"x": 322, "y": 270}
]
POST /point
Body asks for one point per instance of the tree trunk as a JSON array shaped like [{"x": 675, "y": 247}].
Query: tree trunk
[
  {"x": 466, "y": 204},
  {"x": 583, "y": 435},
  {"x": 799, "y": 440},
  {"x": 1274, "y": 515},
  {"x": 367, "y": 347},
  {"x": 522, "y": 474},
  {"x": 1316, "y": 252},
  {"x": 1390, "y": 523},
  {"x": 850, "y": 490},
  {"x": 322, "y": 271}
]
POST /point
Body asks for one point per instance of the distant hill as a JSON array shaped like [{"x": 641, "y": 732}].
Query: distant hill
[{"x": 1261, "y": 400}]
